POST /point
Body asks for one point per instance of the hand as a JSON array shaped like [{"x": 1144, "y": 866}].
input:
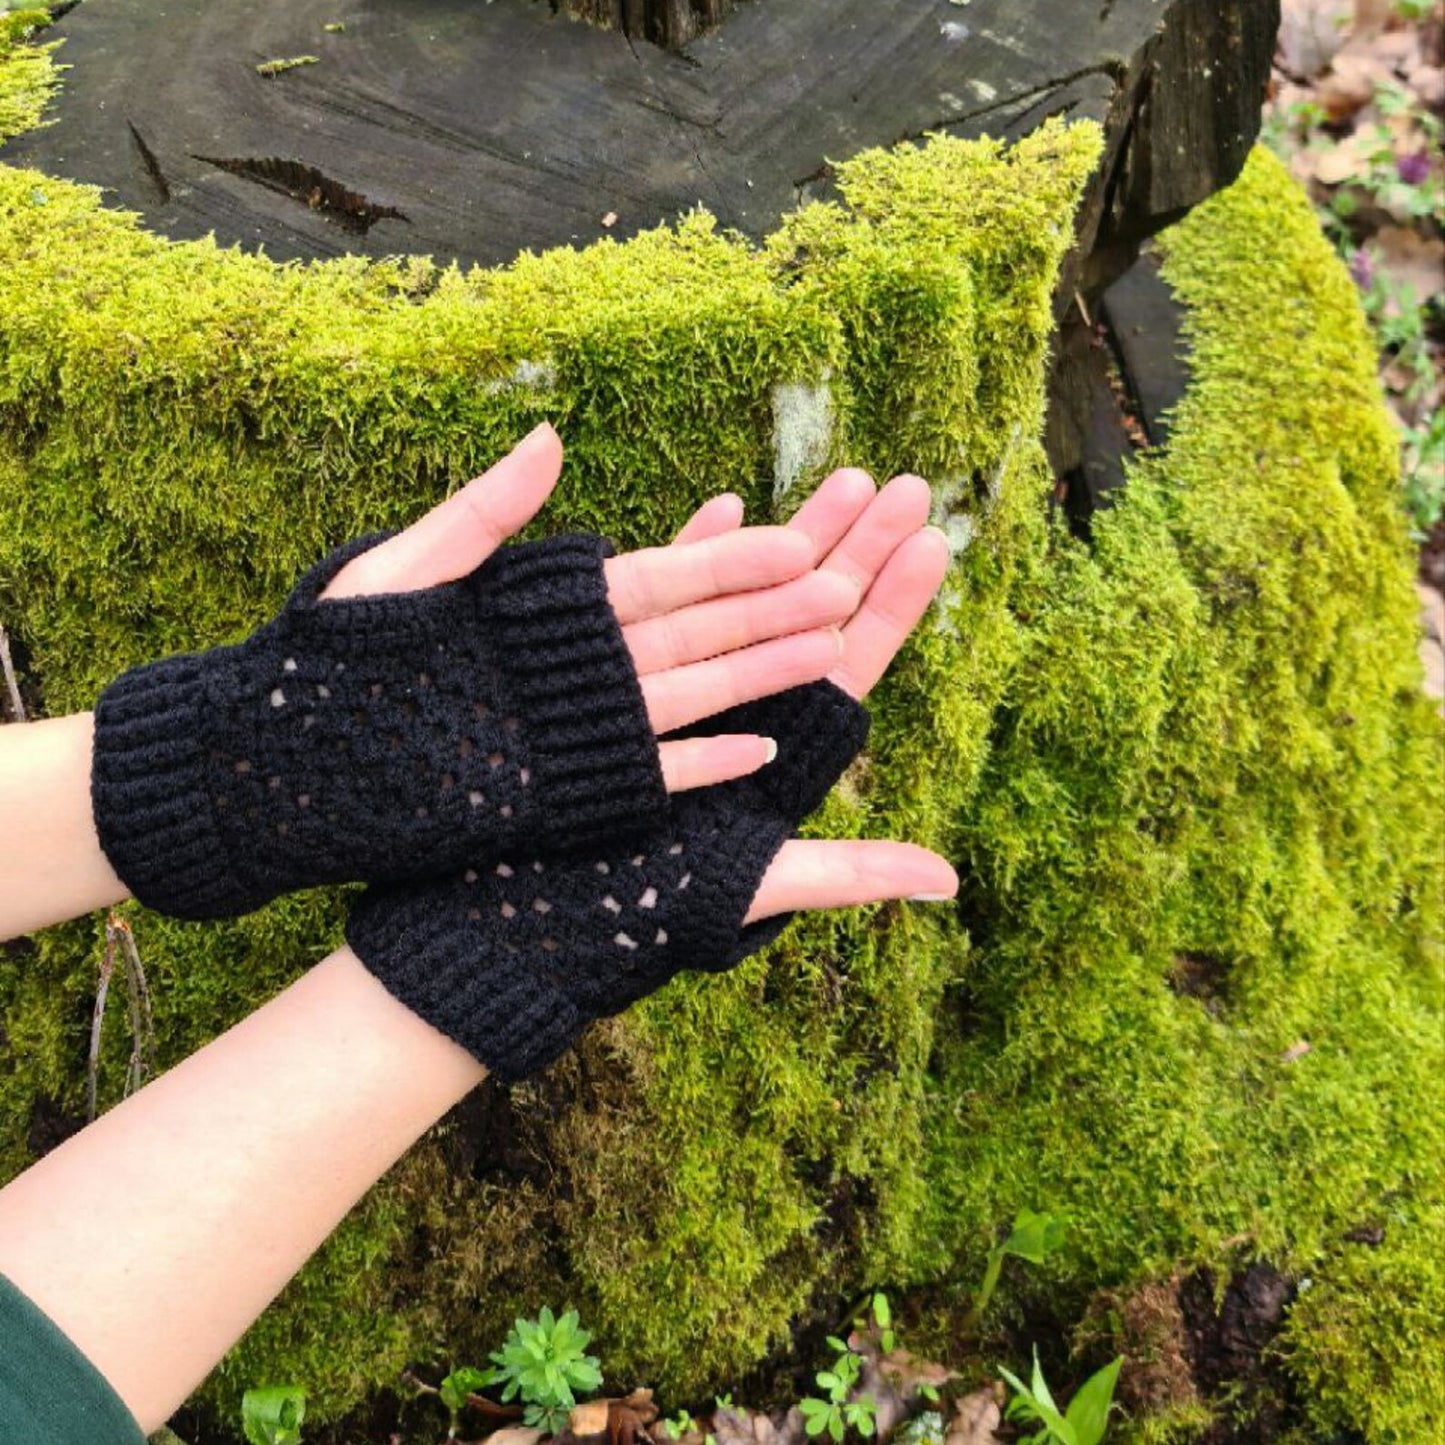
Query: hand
[
  {"x": 880, "y": 543},
  {"x": 725, "y": 617}
]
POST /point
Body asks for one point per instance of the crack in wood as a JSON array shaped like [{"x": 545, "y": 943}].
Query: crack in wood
[
  {"x": 311, "y": 187},
  {"x": 149, "y": 161},
  {"x": 1115, "y": 70}
]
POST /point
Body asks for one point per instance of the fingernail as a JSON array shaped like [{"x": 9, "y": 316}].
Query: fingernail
[
  {"x": 772, "y": 749},
  {"x": 930, "y": 897}
]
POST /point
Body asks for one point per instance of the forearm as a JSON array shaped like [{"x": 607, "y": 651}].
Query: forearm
[
  {"x": 51, "y": 864},
  {"x": 286, "y": 1120}
]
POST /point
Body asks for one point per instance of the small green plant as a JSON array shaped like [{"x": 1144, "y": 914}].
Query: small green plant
[
  {"x": 1425, "y": 474},
  {"x": 544, "y": 1362},
  {"x": 455, "y": 1391},
  {"x": 678, "y": 1425},
  {"x": 883, "y": 1318},
  {"x": 273, "y": 1415},
  {"x": 1033, "y": 1237},
  {"x": 888, "y": 1337},
  {"x": 836, "y": 1412},
  {"x": 1083, "y": 1423}
]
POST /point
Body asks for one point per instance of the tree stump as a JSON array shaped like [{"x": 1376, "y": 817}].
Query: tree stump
[{"x": 473, "y": 131}]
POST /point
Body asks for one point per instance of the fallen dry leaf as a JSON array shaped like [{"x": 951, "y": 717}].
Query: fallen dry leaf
[
  {"x": 909, "y": 1371},
  {"x": 1311, "y": 34},
  {"x": 1350, "y": 158},
  {"x": 1372, "y": 16},
  {"x": 1428, "y": 83},
  {"x": 590, "y": 1417},
  {"x": 610, "y": 219},
  {"x": 975, "y": 1418},
  {"x": 732, "y": 1427},
  {"x": 1350, "y": 85},
  {"x": 515, "y": 1435},
  {"x": 1296, "y": 1051},
  {"x": 1411, "y": 258}
]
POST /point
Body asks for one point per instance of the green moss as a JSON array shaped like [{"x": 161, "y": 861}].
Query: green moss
[
  {"x": 271, "y": 68},
  {"x": 1214, "y": 747},
  {"x": 1365, "y": 1337},
  {"x": 28, "y": 75},
  {"x": 1202, "y": 737}
]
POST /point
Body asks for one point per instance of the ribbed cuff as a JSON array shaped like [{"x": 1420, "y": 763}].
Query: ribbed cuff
[
  {"x": 570, "y": 677},
  {"x": 148, "y": 791},
  {"x": 500, "y": 1010}
]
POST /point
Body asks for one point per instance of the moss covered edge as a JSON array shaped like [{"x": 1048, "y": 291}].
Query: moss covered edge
[{"x": 1197, "y": 750}]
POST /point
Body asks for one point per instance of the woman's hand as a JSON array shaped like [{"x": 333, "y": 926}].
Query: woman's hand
[
  {"x": 725, "y": 617},
  {"x": 881, "y": 545}
]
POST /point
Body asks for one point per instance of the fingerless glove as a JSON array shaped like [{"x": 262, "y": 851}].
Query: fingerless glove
[
  {"x": 513, "y": 959},
  {"x": 379, "y": 738}
]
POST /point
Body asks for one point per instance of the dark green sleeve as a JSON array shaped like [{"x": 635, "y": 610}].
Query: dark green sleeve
[{"x": 50, "y": 1394}]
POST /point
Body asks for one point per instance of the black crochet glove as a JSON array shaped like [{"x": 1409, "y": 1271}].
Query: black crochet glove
[
  {"x": 380, "y": 738},
  {"x": 513, "y": 960}
]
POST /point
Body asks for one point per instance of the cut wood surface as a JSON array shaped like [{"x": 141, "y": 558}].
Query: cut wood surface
[{"x": 473, "y": 130}]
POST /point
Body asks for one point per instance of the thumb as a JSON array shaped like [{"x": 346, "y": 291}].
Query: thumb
[{"x": 459, "y": 534}]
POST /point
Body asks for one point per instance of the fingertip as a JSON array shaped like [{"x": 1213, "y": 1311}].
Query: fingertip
[
  {"x": 938, "y": 550},
  {"x": 851, "y": 482},
  {"x": 796, "y": 549},
  {"x": 910, "y": 490},
  {"x": 942, "y": 883}
]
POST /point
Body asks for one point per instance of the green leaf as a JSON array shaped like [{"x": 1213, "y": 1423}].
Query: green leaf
[
  {"x": 827, "y": 1379},
  {"x": 835, "y": 1425},
  {"x": 834, "y": 1343},
  {"x": 1038, "y": 1404},
  {"x": 462, "y": 1382},
  {"x": 882, "y": 1316},
  {"x": 1088, "y": 1411},
  {"x": 1035, "y": 1236},
  {"x": 1040, "y": 1387},
  {"x": 273, "y": 1415}
]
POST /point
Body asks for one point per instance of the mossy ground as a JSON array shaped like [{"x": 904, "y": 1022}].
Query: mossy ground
[{"x": 1201, "y": 739}]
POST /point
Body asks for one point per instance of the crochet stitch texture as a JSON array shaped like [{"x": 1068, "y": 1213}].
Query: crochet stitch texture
[
  {"x": 513, "y": 959},
  {"x": 378, "y": 738}
]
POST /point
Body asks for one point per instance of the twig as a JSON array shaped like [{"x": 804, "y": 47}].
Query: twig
[
  {"x": 141, "y": 1027},
  {"x": 118, "y": 937},
  {"x": 97, "y": 1022},
  {"x": 17, "y": 707}
]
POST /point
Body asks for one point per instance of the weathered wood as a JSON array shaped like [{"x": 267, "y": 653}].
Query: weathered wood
[
  {"x": 475, "y": 131},
  {"x": 670, "y": 23}
]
